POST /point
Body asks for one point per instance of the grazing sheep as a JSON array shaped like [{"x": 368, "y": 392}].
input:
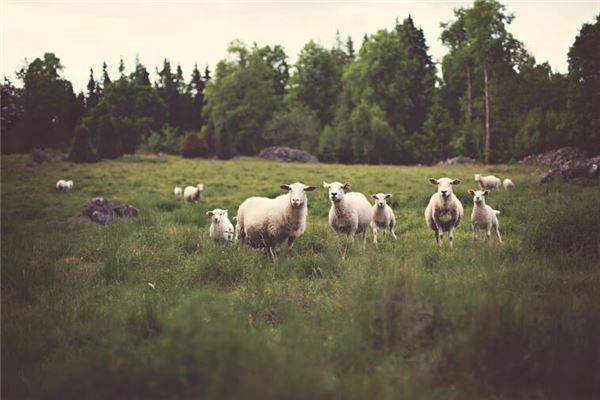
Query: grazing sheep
[
  {"x": 63, "y": 186},
  {"x": 350, "y": 213},
  {"x": 488, "y": 182},
  {"x": 508, "y": 184},
  {"x": 483, "y": 216},
  {"x": 221, "y": 228},
  {"x": 444, "y": 211},
  {"x": 266, "y": 223},
  {"x": 178, "y": 191},
  {"x": 383, "y": 216},
  {"x": 192, "y": 194}
]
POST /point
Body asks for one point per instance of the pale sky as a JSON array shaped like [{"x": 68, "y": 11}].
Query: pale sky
[{"x": 85, "y": 33}]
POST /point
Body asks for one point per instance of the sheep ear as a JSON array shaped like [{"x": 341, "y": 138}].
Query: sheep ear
[
  {"x": 325, "y": 185},
  {"x": 456, "y": 182},
  {"x": 471, "y": 192},
  {"x": 200, "y": 187},
  {"x": 309, "y": 188},
  {"x": 285, "y": 187},
  {"x": 486, "y": 192},
  {"x": 225, "y": 212},
  {"x": 433, "y": 181},
  {"x": 347, "y": 186},
  {"x": 210, "y": 213},
  {"x": 388, "y": 195},
  {"x": 374, "y": 196}
]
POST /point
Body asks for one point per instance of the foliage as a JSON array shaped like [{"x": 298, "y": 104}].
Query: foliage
[
  {"x": 193, "y": 145},
  {"x": 81, "y": 148},
  {"x": 297, "y": 128},
  {"x": 167, "y": 140},
  {"x": 10, "y": 113}
]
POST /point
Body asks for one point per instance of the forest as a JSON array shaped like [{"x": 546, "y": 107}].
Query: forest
[{"x": 384, "y": 101}]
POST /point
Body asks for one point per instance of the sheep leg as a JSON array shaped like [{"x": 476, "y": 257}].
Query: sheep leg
[
  {"x": 438, "y": 236},
  {"x": 272, "y": 253},
  {"x": 375, "y": 232},
  {"x": 451, "y": 236},
  {"x": 475, "y": 233},
  {"x": 498, "y": 233},
  {"x": 392, "y": 232},
  {"x": 489, "y": 233},
  {"x": 364, "y": 235},
  {"x": 291, "y": 241}
]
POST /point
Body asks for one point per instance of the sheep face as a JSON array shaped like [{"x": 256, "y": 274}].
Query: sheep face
[
  {"x": 297, "y": 193},
  {"x": 336, "y": 190},
  {"x": 477, "y": 176},
  {"x": 444, "y": 186},
  {"x": 200, "y": 187},
  {"x": 479, "y": 195},
  {"x": 217, "y": 215},
  {"x": 381, "y": 199}
]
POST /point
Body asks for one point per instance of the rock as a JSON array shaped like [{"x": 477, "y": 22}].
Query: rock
[
  {"x": 458, "y": 160},
  {"x": 39, "y": 156},
  {"x": 287, "y": 154},
  {"x": 555, "y": 157},
  {"x": 101, "y": 210}
]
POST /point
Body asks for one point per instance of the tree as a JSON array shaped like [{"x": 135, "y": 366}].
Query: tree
[
  {"x": 11, "y": 112},
  {"x": 316, "y": 82},
  {"x": 193, "y": 145},
  {"x": 298, "y": 128},
  {"x": 584, "y": 87},
  {"x": 140, "y": 75},
  {"x": 93, "y": 95},
  {"x": 196, "y": 92},
  {"x": 105, "y": 78},
  {"x": 276, "y": 60},
  {"x": 107, "y": 139},
  {"x": 121, "y": 68},
  {"x": 81, "y": 148}
]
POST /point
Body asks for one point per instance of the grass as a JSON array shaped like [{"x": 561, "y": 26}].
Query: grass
[{"x": 331, "y": 321}]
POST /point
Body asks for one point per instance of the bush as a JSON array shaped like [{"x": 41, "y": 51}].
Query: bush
[
  {"x": 194, "y": 145},
  {"x": 167, "y": 140},
  {"x": 108, "y": 141},
  {"x": 81, "y": 147}
]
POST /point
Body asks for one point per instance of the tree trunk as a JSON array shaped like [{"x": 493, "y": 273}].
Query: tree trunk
[
  {"x": 487, "y": 114},
  {"x": 469, "y": 91}
]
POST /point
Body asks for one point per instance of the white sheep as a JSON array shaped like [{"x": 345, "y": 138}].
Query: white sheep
[
  {"x": 483, "y": 216},
  {"x": 221, "y": 228},
  {"x": 266, "y": 223},
  {"x": 178, "y": 191},
  {"x": 350, "y": 213},
  {"x": 444, "y": 211},
  {"x": 488, "y": 182},
  {"x": 383, "y": 216},
  {"x": 63, "y": 186},
  {"x": 508, "y": 184},
  {"x": 192, "y": 194}
]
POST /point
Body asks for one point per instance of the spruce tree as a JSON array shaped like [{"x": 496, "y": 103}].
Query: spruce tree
[{"x": 81, "y": 147}]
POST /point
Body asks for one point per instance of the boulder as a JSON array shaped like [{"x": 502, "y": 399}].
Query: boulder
[
  {"x": 458, "y": 160},
  {"x": 101, "y": 210},
  {"x": 287, "y": 154}
]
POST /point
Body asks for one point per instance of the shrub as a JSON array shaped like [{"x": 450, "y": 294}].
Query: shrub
[
  {"x": 81, "y": 147},
  {"x": 167, "y": 140},
  {"x": 108, "y": 142},
  {"x": 193, "y": 145}
]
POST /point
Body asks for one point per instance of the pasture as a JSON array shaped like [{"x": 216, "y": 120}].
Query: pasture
[{"x": 519, "y": 319}]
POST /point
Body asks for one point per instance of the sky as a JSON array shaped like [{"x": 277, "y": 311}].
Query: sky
[{"x": 83, "y": 34}]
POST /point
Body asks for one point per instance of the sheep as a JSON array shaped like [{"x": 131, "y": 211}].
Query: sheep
[
  {"x": 221, "y": 228},
  {"x": 178, "y": 191},
  {"x": 488, "y": 182},
  {"x": 508, "y": 184},
  {"x": 192, "y": 194},
  {"x": 350, "y": 213},
  {"x": 444, "y": 211},
  {"x": 483, "y": 216},
  {"x": 266, "y": 223},
  {"x": 63, "y": 186},
  {"x": 382, "y": 216}
]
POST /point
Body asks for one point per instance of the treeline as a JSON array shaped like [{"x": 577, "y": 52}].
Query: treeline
[{"x": 384, "y": 103}]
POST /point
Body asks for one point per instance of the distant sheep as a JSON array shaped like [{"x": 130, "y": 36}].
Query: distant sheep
[
  {"x": 63, "y": 186},
  {"x": 483, "y": 216},
  {"x": 350, "y": 213},
  {"x": 267, "y": 223},
  {"x": 192, "y": 194},
  {"x": 178, "y": 191},
  {"x": 444, "y": 211},
  {"x": 508, "y": 184},
  {"x": 221, "y": 228},
  {"x": 383, "y": 216},
  {"x": 488, "y": 182}
]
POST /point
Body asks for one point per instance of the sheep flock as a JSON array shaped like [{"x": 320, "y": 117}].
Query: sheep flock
[{"x": 268, "y": 223}]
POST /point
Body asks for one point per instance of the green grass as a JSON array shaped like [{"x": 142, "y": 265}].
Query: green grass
[{"x": 331, "y": 321}]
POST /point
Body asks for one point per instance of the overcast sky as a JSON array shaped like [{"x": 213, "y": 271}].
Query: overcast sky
[{"x": 85, "y": 33}]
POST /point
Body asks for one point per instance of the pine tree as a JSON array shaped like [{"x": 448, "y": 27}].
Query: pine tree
[
  {"x": 105, "y": 78},
  {"x": 92, "y": 91},
  {"x": 121, "y": 68},
  {"x": 81, "y": 147}
]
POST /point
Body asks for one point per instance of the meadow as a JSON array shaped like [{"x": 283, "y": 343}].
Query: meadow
[{"x": 484, "y": 320}]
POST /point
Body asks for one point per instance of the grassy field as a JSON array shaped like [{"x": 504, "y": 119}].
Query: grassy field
[{"x": 410, "y": 320}]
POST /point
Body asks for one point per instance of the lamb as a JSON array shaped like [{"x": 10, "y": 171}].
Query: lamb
[
  {"x": 266, "y": 223},
  {"x": 221, "y": 228},
  {"x": 383, "y": 216},
  {"x": 63, "y": 186},
  {"x": 178, "y": 191},
  {"x": 192, "y": 194},
  {"x": 444, "y": 211},
  {"x": 488, "y": 182},
  {"x": 508, "y": 184},
  {"x": 350, "y": 213},
  {"x": 483, "y": 216}
]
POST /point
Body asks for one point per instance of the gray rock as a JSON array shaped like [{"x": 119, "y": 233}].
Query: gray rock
[
  {"x": 101, "y": 210},
  {"x": 287, "y": 154},
  {"x": 458, "y": 160}
]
